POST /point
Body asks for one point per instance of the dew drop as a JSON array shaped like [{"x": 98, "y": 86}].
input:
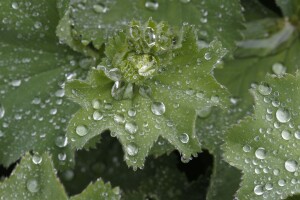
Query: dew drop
[
  {"x": 33, "y": 185},
  {"x": 81, "y": 130},
  {"x": 96, "y": 104},
  {"x": 36, "y": 159},
  {"x": 264, "y": 89},
  {"x": 281, "y": 182},
  {"x": 297, "y": 135},
  {"x": 260, "y": 153},
  {"x": 283, "y": 115},
  {"x": 145, "y": 91},
  {"x": 158, "y": 108},
  {"x": 291, "y": 165},
  {"x": 60, "y": 93},
  {"x": 100, "y": 8},
  {"x": 152, "y": 5},
  {"x": 119, "y": 119},
  {"x": 278, "y": 69},
  {"x": 286, "y": 135},
  {"x": 2, "y": 111},
  {"x": 185, "y": 1},
  {"x": 269, "y": 186},
  {"x": 132, "y": 149},
  {"x": 16, "y": 83},
  {"x": 207, "y": 56},
  {"x": 258, "y": 190},
  {"x": 134, "y": 32},
  {"x": 131, "y": 112},
  {"x": 131, "y": 127},
  {"x": 246, "y": 148},
  {"x": 15, "y": 5},
  {"x": 114, "y": 74},
  {"x": 97, "y": 115},
  {"x": 61, "y": 141},
  {"x": 62, "y": 156},
  {"x": 184, "y": 138}
]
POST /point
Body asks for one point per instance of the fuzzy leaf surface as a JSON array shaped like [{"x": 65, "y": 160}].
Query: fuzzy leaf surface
[
  {"x": 33, "y": 68},
  {"x": 265, "y": 146}
]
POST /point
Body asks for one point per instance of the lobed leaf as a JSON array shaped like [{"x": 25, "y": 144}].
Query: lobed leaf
[{"x": 265, "y": 146}]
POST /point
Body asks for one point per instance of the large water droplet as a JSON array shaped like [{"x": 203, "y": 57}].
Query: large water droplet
[
  {"x": 36, "y": 159},
  {"x": 131, "y": 112},
  {"x": 60, "y": 93},
  {"x": 291, "y": 165},
  {"x": 134, "y": 32},
  {"x": 283, "y": 115},
  {"x": 33, "y": 185},
  {"x": 96, "y": 104},
  {"x": 258, "y": 190},
  {"x": 260, "y": 153},
  {"x": 114, "y": 74},
  {"x": 152, "y": 5},
  {"x": 132, "y": 149},
  {"x": 264, "y": 89},
  {"x": 97, "y": 116},
  {"x": 117, "y": 90},
  {"x": 2, "y": 111},
  {"x": 119, "y": 119},
  {"x": 100, "y": 8},
  {"x": 184, "y": 138},
  {"x": 207, "y": 56},
  {"x": 286, "y": 135},
  {"x": 131, "y": 127},
  {"x": 278, "y": 69},
  {"x": 61, "y": 141},
  {"x": 158, "y": 108},
  {"x": 81, "y": 130}
]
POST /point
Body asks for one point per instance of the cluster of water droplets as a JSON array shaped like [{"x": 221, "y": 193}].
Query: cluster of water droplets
[{"x": 281, "y": 129}]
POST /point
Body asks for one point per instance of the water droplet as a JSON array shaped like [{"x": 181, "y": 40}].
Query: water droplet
[
  {"x": 158, "y": 108},
  {"x": 131, "y": 127},
  {"x": 15, "y": 5},
  {"x": 215, "y": 99},
  {"x": 184, "y": 138},
  {"x": 260, "y": 153},
  {"x": 185, "y": 1},
  {"x": 278, "y": 69},
  {"x": 283, "y": 115},
  {"x": 62, "y": 156},
  {"x": 132, "y": 149},
  {"x": 16, "y": 83},
  {"x": 258, "y": 190},
  {"x": 96, "y": 104},
  {"x": 285, "y": 134},
  {"x": 81, "y": 130},
  {"x": 2, "y": 111},
  {"x": 207, "y": 56},
  {"x": 269, "y": 186},
  {"x": 114, "y": 74},
  {"x": 97, "y": 116},
  {"x": 36, "y": 159},
  {"x": 60, "y": 93},
  {"x": 246, "y": 148},
  {"x": 117, "y": 90},
  {"x": 61, "y": 141},
  {"x": 264, "y": 89},
  {"x": 100, "y": 8},
  {"x": 152, "y": 5},
  {"x": 119, "y": 119},
  {"x": 150, "y": 37},
  {"x": 281, "y": 182},
  {"x": 297, "y": 135},
  {"x": 128, "y": 93},
  {"x": 204, "y": 112},
  {"x": 131, "y": 112},
  {"x": 33, "y": 185},
  {"x": 291, "y": 165}
]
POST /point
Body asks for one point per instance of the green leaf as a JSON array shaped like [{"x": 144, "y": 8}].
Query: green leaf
[
  {"x": 34, "y": 178},
  {"x": 265, "y": 146},
  {"x": 240, "y": 74},
  {"x": 99, "y": 190},
  {"x": 254, "y": 10},
  {"x": 95, "y": 20},
  {"x": 290, "y": 8},
  {"x": 179, "y": 90},
  {"x": 33, "y": 68}
]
